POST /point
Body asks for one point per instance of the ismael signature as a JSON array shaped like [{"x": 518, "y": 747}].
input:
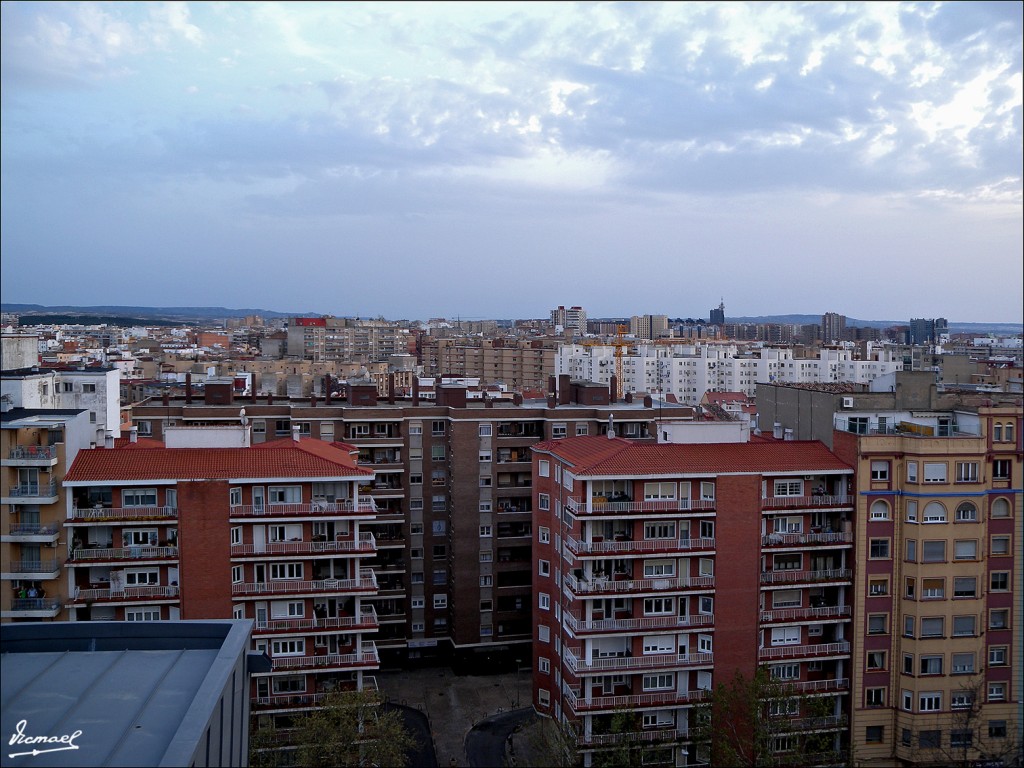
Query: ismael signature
[{"x": 66, "y": 741}]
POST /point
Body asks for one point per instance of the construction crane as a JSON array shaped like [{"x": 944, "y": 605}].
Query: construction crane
[{"x": 619, "y": 343}]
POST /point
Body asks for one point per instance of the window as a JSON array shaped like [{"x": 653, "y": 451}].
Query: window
[
  {"x": 911, "y": 471},
  {"x": 1000, "y": 508},
  {"x": 910, "y": 588},
  {"x": 999, "y": 581},
  {"x": 142, "y": 614},
  {"x": 285, "y": 571},
  {"x": 929, "y": 739},
  {"x": 659, "y": 491},
  {"x": 707, "y": 491},
  {"x": 659, "y": 530},
  {"x": 543, "y": 501},
  {"x": 967, "y": 513},
  {"x": 285, "y": 494},
  {"x": 235, "y": 497},
  {"x": 543, "y": 568},
  {"x": 1000, "y": 469},
  {"x": 930, "y": 665},
  {"x": 484, "y": 430},
  {"x": 907, "y": 700},
  {"x": 935, "y": 471},
  {"x": 416, "y": 553},
  {"x": 879, "y": 470},
  {"x": 485, "y": 506},
  {"x": 997, "y": 729},
  {"x": 999, "y": 619},
  {"x": 933, "y": 552},
  {"x": 997, "y": 691},
  {"x": 967, "y": 471},
  {"x": 874, "y": 734},
  {"x": 706, "y": 605},
  {"x": 786, "y": 598},
  {"x": 877, "y": 624},
  {"x": 142, "y": 577},
  {"x": 878, "y": 586},
  {"x": 911, "y": 515},
  {"x": 932, "y": 626},
  {"x": 544, "y": 468},
  {"x": 965, "y": 586},
  {"x": 486, "y": 580},
  {"x": 997, "y": 656},
  {"x": 908, "y": 626},
  {"x": 1000, "y": 546},
  {"x": 655, "y": 606},
  {"x": 785, "y": 671},
  {"x": 659, "y": 568},
  {"x": 934, "y": 512},
  {"x": 961, "y": 700},
  {"x": 485, "y": 456},
  {"x": 439, "y": 503},
  {"x": 295, "y": 647},
  {"x": 911, "y": 550},
  {"x": 486, "y": 556},
  {"x": 964, "y": 626},
  {"x": 933, "y": 589},
  {"x": 875, "y": 697},
  {"x": 440, "y": 576},
  {"x": 437, "y": 427},
  {"x": 582, "y": 430},
  {"x": 558, "y": 430},
  {"x": 544, "y": 535},
  {"x": 485, "y": 481},
  {"x": 236, "y": 574},
  {"x": 876, "y": 660},
  {"x": 963, "y": 663},
  {"x": 960, "y": 738},
  {"x": 439, "y": 527},
  {"x": 440, "y": 601},
  {"x": 879, "y": 510},
  {"x": 139, "y": 497},
  {"x": 437, "y": 453},
  {"x": 930, "y": 701},
  {"x": 879, "y": 549},
  {"x": 857, "y": 424},
  {"x": 544, "y": 634},
  {"x": 965, "y": 549},
  {"x": 789, "y": 487},
  {"x": 662, "y": 682}
]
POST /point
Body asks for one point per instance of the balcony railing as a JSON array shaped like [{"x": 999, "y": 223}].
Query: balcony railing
[
  {"x": 107, "y": 514},
  {"x": 797, "y": 539},
  {"x": 642, "y": 547},
  {"x": 666, "y": 583},
  {"x": 367, "y": 582},
  {"x": 33, "y": 453},
  {"x": 32, "y": 566},
  {"x": 814, "y": 501},
  {"x": 653, "y": 735},
  {"x": 833, "y": 685},
  {"x": 626, "y": 663},
  {"x": 47, "y": 605},
  {"x": 823, "y": 723},
  {"x": 365, "y": 658},
  {"x": 792, "y": 577},
  {"x": 795, "y": 651},
  {"x": 808, "y": 613},
  {"x": 580, "y": 626},
  {"x": 581, "y": 703},
  {"x": 83, "y": 554},
  {"x": 32, "y": 490},
  {"x": 126, "y": 593},
  {"x": 365, "y": 544},
  {"x": 578, "y": 506},
  {"x": 366, "y": 620},
  {"x": 317, "y": 508},
  {"x": 289, "y": 700},
  {"x": 34, "y": 529}
]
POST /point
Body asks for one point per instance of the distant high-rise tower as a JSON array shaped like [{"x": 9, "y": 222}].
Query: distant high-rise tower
[
  {"x": 718, "y": 315},
  {"x": 573, "y": 317},
  {"x": 833, "y": 327},
  {"x": 928, "y": 331}
]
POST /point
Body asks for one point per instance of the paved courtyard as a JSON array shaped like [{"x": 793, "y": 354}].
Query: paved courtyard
[{"x": 454, "y": 703}]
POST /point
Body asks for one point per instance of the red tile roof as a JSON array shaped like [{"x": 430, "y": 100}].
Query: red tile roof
[
  {"x": 599, "y": 456},
  {"x": 304, "y": 460}
]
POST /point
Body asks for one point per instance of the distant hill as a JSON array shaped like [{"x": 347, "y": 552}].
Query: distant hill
[{"x": 138, "y": 314}]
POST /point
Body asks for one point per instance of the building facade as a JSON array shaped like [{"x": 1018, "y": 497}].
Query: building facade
[{"x": 662, "y": 570}]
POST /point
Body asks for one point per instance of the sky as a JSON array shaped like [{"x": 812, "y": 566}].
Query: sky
[{"x": 496, "y": 160}]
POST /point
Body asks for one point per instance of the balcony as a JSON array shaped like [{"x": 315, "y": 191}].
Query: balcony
[
  {"x": 599, "y": 505},
  {"x": 367, "y": 658},
  {"x": 34, "y": 608},
  {"x": 814, "y": 577},
  {"x": 366, "y": 583},
  {"x": 32, "y": 533},
  {"x": 640, "y": 548},
  {"x": 806, "y": 502},
  {"x": 31, "y": 493},
  {"x": 93, "y": 555},
  {"x": 364, "y": 508},
  {"x": 806, "y": 539},
  {"x": 296, "y": 701},
  {"x": 661, "y": 735},
  {"x": 125, "y": 594},
  {"x": 31, "y": 456},
  {"x": 833, "y": 685},
  {"x": 613, "y": 664},
  {"x": 31, "y": 570},
  {"x": 809, "y": 613},
  {"x": 601, "y": 585},
  {"x": 365, "y": 621},
  {"x": 366, "y": 544},
  {"x": 650, "y": 623},
  {"x": 591, "y": 704},
  {"x": 797, "y": 651},
  {"x": 121, "y": 514}
]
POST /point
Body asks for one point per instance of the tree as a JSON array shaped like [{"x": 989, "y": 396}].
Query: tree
[
  {"x": 353, "y": 729},
  {"x": 975, "y": 737},
  {"x": 759, "y": 721}
]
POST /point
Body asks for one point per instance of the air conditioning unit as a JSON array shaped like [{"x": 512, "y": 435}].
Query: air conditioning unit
[{"x": 847, "y": 402}]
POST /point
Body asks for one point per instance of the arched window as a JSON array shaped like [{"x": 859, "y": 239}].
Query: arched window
[
  {"x": 997, "y": 432},
  {"x": 1008, "y": 432},
  {"x": 934, "y": 513},
  {"x": 967, "y": 513},
  {"x": 1000, "y": 508},
  {"x": 879, "y": 510}
]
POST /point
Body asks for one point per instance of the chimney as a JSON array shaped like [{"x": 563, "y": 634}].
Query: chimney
[
  {"x": 629, "y": 397},
  {"x": 777, "y": 430},
  {"x": 295, "y": 432},
  {"x": 312, "y": 400},
  {"x": 517, "y": 398},
  {"x": 133, "y": 435},
  {"x": 415, "y": 389},
  {"x": 613, "y": 387},
  {"x": 327, "y": 389},
  {"x": 188, "y": 387},
  {"x": 166, "y": 398},
  {"x": 552, "y": 386},
  {"x": 108, "y": 441},
  {"x": 270, "y": 398},
  {"x": 488, "y": 402},
  {"x": 391, "y": 387},
  {"x": 611, "y": 426},
  {"x": 788, "y": 435},
  {"x": 648, "y": 401},
  {"x": 564, "y": 389},
  {"x": 552, "y": 401}
]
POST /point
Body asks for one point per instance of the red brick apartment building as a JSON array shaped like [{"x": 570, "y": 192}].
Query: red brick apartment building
[
  {"x": 664, "y": 569},
  {"x": 276, "y": 533}
]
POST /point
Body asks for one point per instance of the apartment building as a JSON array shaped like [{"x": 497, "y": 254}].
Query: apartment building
[
  {"x": 453, "y": 496},
  {"x": 664, "y": 569},
  {"x": 341, "y": 338},
  {"x": 520, "y": 364},
  {"x": 689, "y": 370},
  {"x": 573, "y": 319},
  {"x": 193, "y": 529}
]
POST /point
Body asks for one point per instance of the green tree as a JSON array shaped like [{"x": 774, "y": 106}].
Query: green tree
[
  {"x": 353, "y": 729},
  {"x": 755, "y": 721}
]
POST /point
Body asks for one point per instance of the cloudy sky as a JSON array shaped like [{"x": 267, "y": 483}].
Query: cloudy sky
[{"x": 500, "y": 159}]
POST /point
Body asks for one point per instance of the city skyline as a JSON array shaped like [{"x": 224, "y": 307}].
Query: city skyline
[{"x": 500, "y": 160}]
